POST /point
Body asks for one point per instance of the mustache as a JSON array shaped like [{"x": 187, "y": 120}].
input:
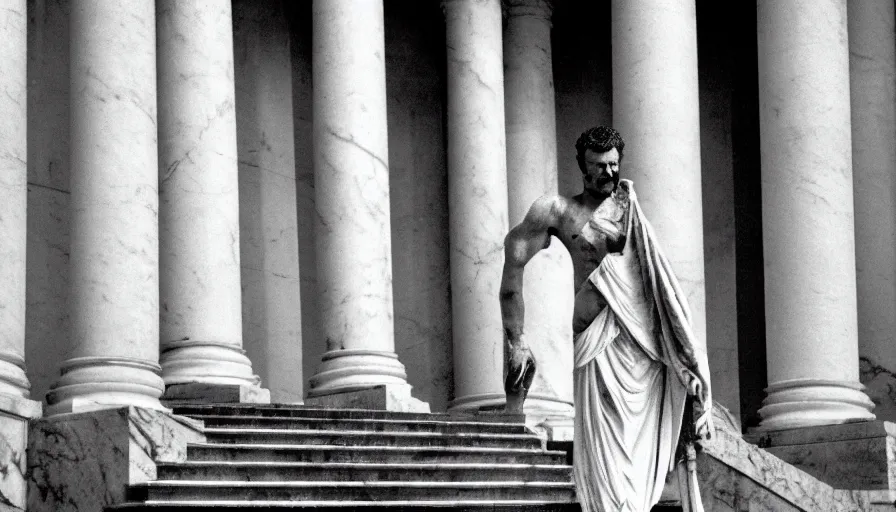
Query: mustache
[{"x": 605, "y": 178}]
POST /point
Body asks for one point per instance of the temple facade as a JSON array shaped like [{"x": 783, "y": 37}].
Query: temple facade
[{"x": 272, "y": 201}]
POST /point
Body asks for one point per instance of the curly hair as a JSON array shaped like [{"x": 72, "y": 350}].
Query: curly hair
[{"x": 599, "y": 139}]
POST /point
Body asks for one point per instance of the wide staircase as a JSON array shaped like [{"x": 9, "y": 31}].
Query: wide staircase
[{"x": 295, "y": 458}]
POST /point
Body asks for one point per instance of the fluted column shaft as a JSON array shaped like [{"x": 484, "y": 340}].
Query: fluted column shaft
[
  {"x": 656, "y": 109},
  {"x": 873, "y": 89},
  {"x": 531, "y": 173},
  {"x": 807, "y": 205},
  {"x": 201, "y": 314},
  {"x": 477, "y": 197},
  {"x": 13, "y": 197},
  {"x": 114, "y": 297},
  {"x": 351, "y": 182}
]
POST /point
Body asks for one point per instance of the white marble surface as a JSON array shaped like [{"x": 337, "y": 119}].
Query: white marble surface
[
  {"x": 808, "y": 243},
  {"x": 199, "y": 238},
  {"x": 351, "y": 176},
  {"x": 13, "y": 199},
  {"x": 531, "y": 173},
  {"x": 269, "y": 250},
  {"x": 81, "y": 462},
  {"x": 13, "y": 462},
  {"x": 477, "y": 195},
  {"x": 656, "y": 109},
  {"x": 872, "y": 64},
  {"x": 734, "y": 475},
  {"x": 15, "y": 412},
  {"x": 418, "y": 179},
  {"x": 114, "y": 243},
  {"x": 351, "y": 184}
]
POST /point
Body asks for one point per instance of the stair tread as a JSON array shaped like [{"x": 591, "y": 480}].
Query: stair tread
[
  {"x": 376, "y": 483},
  {"x": 186, "y": 408},
  {"x": 387, "y": 421},
  {"x": 366, "y": 465},
  {"x": 324, "y": 447},
  {"x": 346, "y": 504},
  {"x": 364, "y": 433}
]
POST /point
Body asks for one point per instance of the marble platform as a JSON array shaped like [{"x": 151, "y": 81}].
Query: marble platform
[
  {"x": 384, "y": 397},
  {"x": 83, "y": 462},
  {"x": 860, "y": 456},
  {"x": 735, "y": 475},
  {"x": 203, "y": 393},
  {"x": 15, "y": 412}
]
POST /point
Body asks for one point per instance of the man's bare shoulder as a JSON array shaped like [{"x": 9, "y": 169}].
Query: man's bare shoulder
[{"x": 552, "y": 208}]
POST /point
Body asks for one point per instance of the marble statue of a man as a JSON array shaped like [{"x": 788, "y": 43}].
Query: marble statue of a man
[{"x": 636, "y": 359}]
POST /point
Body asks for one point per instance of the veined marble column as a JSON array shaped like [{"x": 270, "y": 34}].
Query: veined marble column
[
  {"x": 351, "y": 181},
  {"x": 531, "y": 173},
  {"x": 114, "y": 295},
  {"x": 201, "y": 313},
  {"x": 13, "y": 198},
  {"x": 872, "y": 60},
  {"x": 807, "y": 216},
  {"x": 477, "y": 198},
  {"x": 656, "y": 109}
]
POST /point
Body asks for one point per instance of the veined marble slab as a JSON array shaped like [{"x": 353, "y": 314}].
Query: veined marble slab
[
  {"x": 735, "y": 475},
  {"x": 14, "y": 415},
  {"x": 83, "y": 462}
]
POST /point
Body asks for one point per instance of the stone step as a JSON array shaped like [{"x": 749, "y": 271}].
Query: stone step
[
  {"x": 368, "y": 438},
  {"x": 361, "y": 472},
  {"x": 393, "y": 454},
  {"x": 187, "y": 490},
  {"x": 360, "y": 506},
  {"x": 301, "y": 411},
  {"x": 365, "y": 424}
]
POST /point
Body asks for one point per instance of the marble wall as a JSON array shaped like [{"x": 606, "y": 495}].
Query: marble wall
[
  {"x": 716, "y": 89},
  {"x": 47, "y": 320},
  {"x": 269, "y": 247},
  {"x": 415, "y": 86}
]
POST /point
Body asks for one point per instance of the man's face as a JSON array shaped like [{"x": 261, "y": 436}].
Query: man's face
[{"x": 600, "y": 171}]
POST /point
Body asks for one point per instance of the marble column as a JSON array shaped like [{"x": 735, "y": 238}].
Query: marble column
[
  {"x": 531, "y": 173},
  {"x": 477, "y": 198},
  {"x": 199, "y": 233},
  {"x": 16, "y": 409},
  {"x": 13, "y": 198},
  {"x": 656, "y": 109},
  {"x": 807, "y": 221},
  {"x": 872, "y": 61},
  {"x": 114, "y": 265},
  {"x": 351, "y": 181}
]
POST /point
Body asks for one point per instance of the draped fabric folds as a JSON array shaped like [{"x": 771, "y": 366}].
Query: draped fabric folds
[{"x": 633, "y": 367}]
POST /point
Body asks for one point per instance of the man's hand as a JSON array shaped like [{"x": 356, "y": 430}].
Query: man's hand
[
  {"x": 703, "y": 425},
  {"x": 520, "y": 372}
]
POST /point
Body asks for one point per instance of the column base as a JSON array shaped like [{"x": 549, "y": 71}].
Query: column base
[
  {"x": 91, "y": 383},
  {"x": 856, "y": 456},
  {"x": 87, "y": 460},
  {"x": 484, "y": 402},
  {"x": 811, "y": 402},
  {"x": 353, "y": 369},
  {"x": 15, "y": 412},
  {"x": 384, "y": 397},
  {"x": 548, "y": 416},
  {"x": 208, "y": 362},
  {"x": 13, "y": 380},
  {"x": 202, "y": 393}
]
